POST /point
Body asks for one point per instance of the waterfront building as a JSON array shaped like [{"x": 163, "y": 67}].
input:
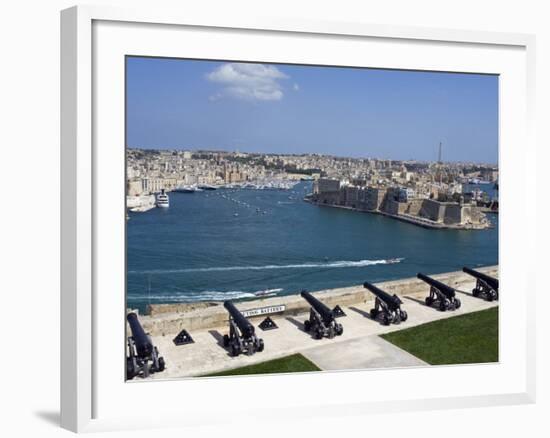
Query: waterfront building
[
  {"x": 155, "y": 185},
  {"x": 406, "y": 194},
  {"x": 326, "y": 185}
]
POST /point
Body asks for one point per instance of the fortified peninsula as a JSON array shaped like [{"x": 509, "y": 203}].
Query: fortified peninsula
[{"x": 428, "y": 194}]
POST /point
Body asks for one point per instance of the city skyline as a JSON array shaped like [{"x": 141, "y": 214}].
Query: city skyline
[
  {"x": 288, "y": 109},
  {"x": 343, "y": 157}
]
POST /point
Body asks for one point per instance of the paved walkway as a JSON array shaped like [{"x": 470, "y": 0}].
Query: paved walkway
[
  {"x": 361, "y": 353},
  {"x": 358, "y": 347}
]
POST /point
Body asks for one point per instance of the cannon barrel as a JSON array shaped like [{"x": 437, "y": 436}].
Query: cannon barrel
[
  {"x": 247, "y": 329},
  {"x": 384, "y": 296},
  {"x": 144, "y": 347},
  {"x": 491, "y": 281},
  {"x": 321, "y": 308},
  {"x": 447, "y": 290}
]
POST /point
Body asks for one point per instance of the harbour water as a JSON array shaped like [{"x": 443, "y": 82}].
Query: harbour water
[{"x": 242, "y": 243}]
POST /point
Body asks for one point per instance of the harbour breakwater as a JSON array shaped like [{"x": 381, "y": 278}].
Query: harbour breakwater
[{"x": 169, "y": 319}]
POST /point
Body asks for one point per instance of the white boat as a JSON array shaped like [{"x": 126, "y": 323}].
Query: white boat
[
  {"x": 185, "y": 189},
  {"x": 162, "y": 199}
]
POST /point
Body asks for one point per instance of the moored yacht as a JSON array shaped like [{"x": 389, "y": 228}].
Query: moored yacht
[{"x": 162, "y": 199}]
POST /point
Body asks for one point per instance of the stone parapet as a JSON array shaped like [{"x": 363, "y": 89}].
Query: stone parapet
[{"x": 171, "y": 318}]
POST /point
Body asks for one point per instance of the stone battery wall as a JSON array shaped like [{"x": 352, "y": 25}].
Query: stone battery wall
[
  {"x": 414, "y": 207},
  {"x": 394, "y": 207},
  {"x": 433, "y": 210},
  {"x": 453, "y": 214},
  {"x": 169, "y": 319}
]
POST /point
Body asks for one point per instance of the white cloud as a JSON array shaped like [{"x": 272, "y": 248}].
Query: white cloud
[
  {"x": 248, "y": 81},
  {"x": 296, "y": 87}
]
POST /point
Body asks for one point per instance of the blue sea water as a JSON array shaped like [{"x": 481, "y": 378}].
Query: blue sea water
[{"x": 232, "y": 244}]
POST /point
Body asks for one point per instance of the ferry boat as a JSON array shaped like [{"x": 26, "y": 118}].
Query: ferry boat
[
  {"x": 162, "y": 199},
  {"x": 478, "y": 181}
]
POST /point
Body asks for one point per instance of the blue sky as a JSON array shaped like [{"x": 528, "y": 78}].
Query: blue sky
[{"x": 279, "y": 108}]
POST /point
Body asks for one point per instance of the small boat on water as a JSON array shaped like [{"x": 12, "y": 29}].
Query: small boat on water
[
  {"x": 206, "y": 187},
  {"x": 189, "y": 189},
  {"x": 185, "y": 189},
  {"x": 392, "y": 261},
  {"x": 267, "y": 292},
  {"x": 162, "y": 199}
]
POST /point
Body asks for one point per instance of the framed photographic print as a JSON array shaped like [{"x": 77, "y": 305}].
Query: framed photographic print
[{"x": 291, "y": 206}]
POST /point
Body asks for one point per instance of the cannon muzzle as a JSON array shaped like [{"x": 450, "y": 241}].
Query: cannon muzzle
[
  {"x": 144, "y": 347},
  {"x": 491, "y": 281},
  {"x": 392, "y": 300},
  {"x": 321, "y": 320},
  {"x": 247, "y": 329},
  {"x": 321, "y": 308},
  {"x": 443, "y": 288}
]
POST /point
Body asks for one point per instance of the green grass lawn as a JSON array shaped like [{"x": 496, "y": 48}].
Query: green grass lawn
[
  {"x": 295, "y": 363},
  {"x": 470, "y": 338}
]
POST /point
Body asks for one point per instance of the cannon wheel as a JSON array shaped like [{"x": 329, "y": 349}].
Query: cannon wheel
[
  {"x": 162, "y": 364},
  {"x": 386, "y": 319},
  {"x": 260, "y": 345},
  {"x": 475, "y": 292},
  {"x": 457, "y": 303},
  {"x": 131, "y": 367},
  {"x": 307, "y": 325},
  {"x": 331, "y": 332},
  {"x": 396, "y": 317},
  {"x": 444, "y": 305},
  {"x": 234, "y": 350},
  {"x": 429, "y": 301},
  {"x": 403, "y": 315},
  {"x": 373, "y": 313},
  {"x": 339, "y": 330},
  {"x": 318, "y": 334},
  {"x": 226, "y": 340}
]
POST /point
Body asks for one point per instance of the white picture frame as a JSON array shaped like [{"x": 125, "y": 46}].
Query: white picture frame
[{"x": 93, "y": 397}]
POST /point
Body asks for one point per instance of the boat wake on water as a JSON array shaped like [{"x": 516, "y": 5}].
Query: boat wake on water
[
  {"x": 211, "y": 295},
  {"x": 326, "y": 264}
]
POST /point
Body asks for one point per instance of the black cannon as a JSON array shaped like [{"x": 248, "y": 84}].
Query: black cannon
[
  {"x": 241, "y": 338},
  {"x": 441, "y": 294},
  {"x": 321, "y": 320},
  {"x": 389, "y": 306},
  {"x": 486, "y": 286},
  {"x": 141, "y": 351}
]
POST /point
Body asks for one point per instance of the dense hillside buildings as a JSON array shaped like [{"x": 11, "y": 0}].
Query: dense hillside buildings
[{"x": 430, "y": 192}]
